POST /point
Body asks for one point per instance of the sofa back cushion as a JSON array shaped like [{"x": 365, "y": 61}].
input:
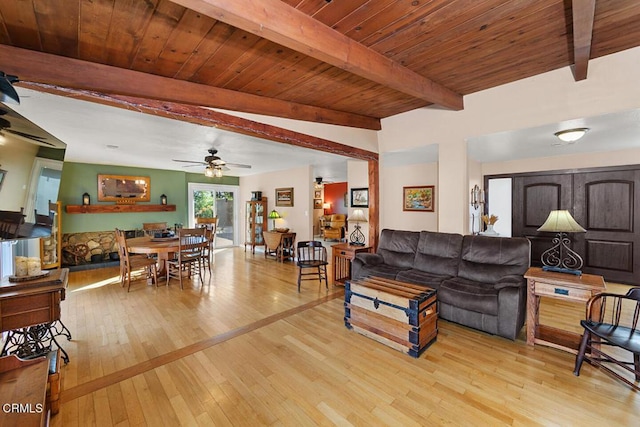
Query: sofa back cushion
[
  {"x": 487, "y": 259},
  {"x": 438, "y": 253},
  {"x": 398, "y": 247}
]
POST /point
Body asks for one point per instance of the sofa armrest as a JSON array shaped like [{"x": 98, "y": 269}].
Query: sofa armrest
[
  {"x": 361, "y": 260},
  {"x": 511, "y": 281},
  {"x": 371, "y": 259}
]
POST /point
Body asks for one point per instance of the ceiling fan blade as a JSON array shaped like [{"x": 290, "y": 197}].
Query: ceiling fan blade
[
  {"x": 238, "y": 165},
  {"x": 26, "y": 135},
  {"x": 36, "y": 138},
  {"x": 190, "y": 161}
]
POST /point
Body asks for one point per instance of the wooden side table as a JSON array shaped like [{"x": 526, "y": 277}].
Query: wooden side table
[
  {"x": 562, "y": 286},
  {"x": 342, "y": 254}
]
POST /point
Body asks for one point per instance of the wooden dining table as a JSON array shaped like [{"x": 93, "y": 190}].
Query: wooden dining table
[{"x": 164, "y": 248}]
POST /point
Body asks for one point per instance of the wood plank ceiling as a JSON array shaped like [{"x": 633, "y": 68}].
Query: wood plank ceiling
[{"x": 347, "y": 62}]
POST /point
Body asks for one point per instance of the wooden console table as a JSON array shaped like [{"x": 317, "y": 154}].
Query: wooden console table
[
  {"x": 30, "y": 310},
  {"x": 343, "y": 254},
  {"x": 562, "y": 286},
  {"x": 281, "y": 245}
]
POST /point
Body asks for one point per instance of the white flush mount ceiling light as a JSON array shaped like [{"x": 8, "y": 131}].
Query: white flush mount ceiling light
[{"x": 571, "y": 135}]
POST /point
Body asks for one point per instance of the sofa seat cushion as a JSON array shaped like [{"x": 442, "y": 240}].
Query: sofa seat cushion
[
  {"x": 420, "y": 277},
  {"x": 380, "y": 270},
  {"x": 469, "y": 295}
]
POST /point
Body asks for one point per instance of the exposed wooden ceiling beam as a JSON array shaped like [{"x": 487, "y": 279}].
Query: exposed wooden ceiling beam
[
  {"x": 583, "y": 13},
  {"x": 72, "y": 73},
  {"x": 277, "y": 21}
]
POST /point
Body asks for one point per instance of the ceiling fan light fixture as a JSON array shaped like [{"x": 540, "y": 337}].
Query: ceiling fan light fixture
[
  {"x": 571, "y": 135},
  {"x": 217, "y": 172},
  {"x": 209, "y": 172}
]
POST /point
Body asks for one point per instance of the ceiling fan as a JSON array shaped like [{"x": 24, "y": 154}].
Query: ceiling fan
[
  {"x": 319, "y": 182},
  {"x": 5, "y": 126},
  {"x": 214, "y": 164}
]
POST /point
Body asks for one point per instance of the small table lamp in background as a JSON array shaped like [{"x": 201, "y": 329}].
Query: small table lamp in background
[
  {"x": 560, "y": 257},
  {"x": 356, "y": 237},
  {"x": 274, "y": 215},
  {"x": 326, "y": 208}
]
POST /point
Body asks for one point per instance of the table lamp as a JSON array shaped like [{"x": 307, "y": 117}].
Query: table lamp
[
  {"x": 326, "y": 208},
  {"x": 356, "y": 238},
  {"x": 560, "y": 257},
  {"x": 274, "y": 215}
]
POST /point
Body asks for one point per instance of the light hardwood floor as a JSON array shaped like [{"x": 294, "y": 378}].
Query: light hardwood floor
[{"x": 248, "y": 350}]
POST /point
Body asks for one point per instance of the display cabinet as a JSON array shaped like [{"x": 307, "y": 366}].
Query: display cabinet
[
  {"x": 256, "y": 217},
  {"x": 51, "y": 246}
]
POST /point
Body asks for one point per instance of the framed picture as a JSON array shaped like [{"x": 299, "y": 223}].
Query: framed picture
[
  {"x": 419, "y": 199},
  {"x": 3, "y": 173},
  {"x": 284, "y": 196},
  {"x": 317, "y": 194},
  {"x": 359, "y": 197},
  {"x": 346, "y": 200},
  {"x": 317, "y": 203}
]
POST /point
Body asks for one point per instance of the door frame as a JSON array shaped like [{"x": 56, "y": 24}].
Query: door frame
[
  {"x": 196, "y": 186},
  {"x": 39, "y": 163}
]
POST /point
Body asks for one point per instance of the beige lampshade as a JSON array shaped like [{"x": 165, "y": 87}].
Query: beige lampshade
[
  {"x": 561, "y": 221},
  {"x": 358, "y": 216}
]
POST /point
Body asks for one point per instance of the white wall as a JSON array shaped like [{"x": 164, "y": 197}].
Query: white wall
[
  {"x": 612, "y": 85},
  {"x": 298, "y": 218},
  {"x": 392, "y": 181},
  {"x": 16, "y": 157},
  {"x": 357, "y": 177},
  {"x": 574, "y": 161}
]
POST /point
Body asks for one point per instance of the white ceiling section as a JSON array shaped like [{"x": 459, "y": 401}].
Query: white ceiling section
[
  {"x": 609, "y": 132},
  {"x": 101, "y": 134}
]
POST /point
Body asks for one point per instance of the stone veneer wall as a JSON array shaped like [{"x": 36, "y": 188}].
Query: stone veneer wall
[{"x": 98, "y": 243}]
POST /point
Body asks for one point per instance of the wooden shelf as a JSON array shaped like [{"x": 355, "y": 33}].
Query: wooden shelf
[{"x": 92, "y": 209}]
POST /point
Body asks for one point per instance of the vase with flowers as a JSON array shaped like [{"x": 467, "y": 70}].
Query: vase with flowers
[{"x": 489, "y": 221}]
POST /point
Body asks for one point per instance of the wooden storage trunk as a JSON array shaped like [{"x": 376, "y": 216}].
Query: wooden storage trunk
[{"x": 400, "y": 315}]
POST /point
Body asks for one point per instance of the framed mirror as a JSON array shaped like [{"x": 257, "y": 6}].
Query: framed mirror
[{"x": 116, "y": 188}]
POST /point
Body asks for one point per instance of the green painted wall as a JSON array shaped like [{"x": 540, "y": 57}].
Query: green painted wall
[{"x": 78, "y": 178}]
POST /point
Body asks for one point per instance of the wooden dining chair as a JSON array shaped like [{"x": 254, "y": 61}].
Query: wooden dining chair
[
  {"x": 312, "y": 256},
  {"x": 10, "y": 223},
  {"x": 192, "y": 243},
  {"x": 132, "y": 263},
  {"x": 211, "y": 226},
  {"x": 152, "y": 228}
]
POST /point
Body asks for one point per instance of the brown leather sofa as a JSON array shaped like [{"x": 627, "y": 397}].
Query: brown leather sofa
[
  {"x": 336, "y": 227},
  {"x": 479, "y": 279}
]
